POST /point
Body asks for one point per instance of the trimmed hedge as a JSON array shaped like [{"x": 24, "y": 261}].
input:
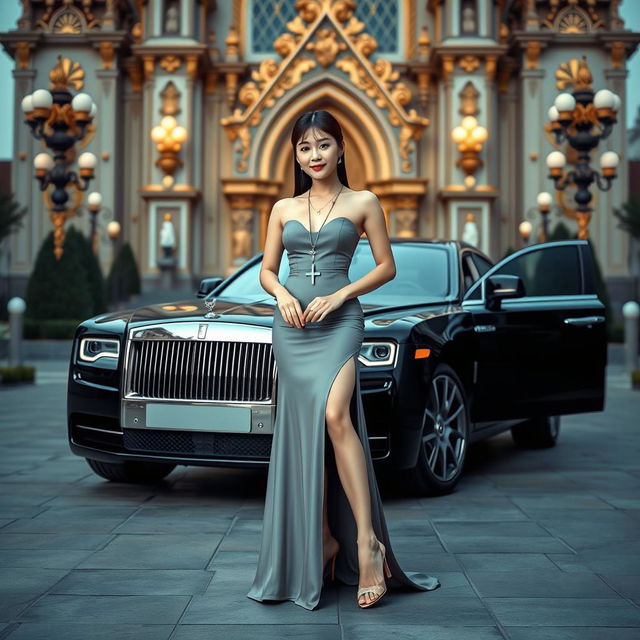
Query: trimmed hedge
[
  {"x": 124, "y": 278},
  {"x": 24, "y": 373}
]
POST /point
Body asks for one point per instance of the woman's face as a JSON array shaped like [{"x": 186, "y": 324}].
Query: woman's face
[{"x": 319, "y": 149}]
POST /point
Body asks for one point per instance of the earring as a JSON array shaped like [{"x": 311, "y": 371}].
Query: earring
[{"x": 340, "y": 160}]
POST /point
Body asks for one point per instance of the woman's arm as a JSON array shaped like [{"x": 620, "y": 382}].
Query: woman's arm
[
  {"x": 273, "y": 249},
  {"x": 376, "y": 230}
]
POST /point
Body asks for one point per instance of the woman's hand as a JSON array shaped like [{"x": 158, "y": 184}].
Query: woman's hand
[
  {"x": 320, "y": 306},
  {"x": 290, "y": 309}
]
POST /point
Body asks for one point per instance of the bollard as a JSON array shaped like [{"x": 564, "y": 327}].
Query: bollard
[
  {"x": 16, "y": 307},
  {"x": 631, "y": 311}
]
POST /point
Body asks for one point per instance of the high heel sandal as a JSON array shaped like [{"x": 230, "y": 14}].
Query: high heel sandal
[
  {"x": 332, "y": 559},
  {"x": 376, "y": 589}
]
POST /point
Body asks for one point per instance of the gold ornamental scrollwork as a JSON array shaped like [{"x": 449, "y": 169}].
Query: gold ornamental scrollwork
[
  {"x": 66, "y": 75},
  {"x": 344, "y": 33}
]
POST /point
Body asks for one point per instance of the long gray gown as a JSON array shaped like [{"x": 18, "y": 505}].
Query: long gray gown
[{"x": 308, "y": 359}]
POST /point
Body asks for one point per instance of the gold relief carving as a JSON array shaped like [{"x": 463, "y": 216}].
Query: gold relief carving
[
  {"x": 136, "y": 33},
  {"x": 490, "y": 65},
  {"x": 574, "y": 73},
  {"x": 170, "y": 100},
  {"x": 448, "y": 63},
  {"x": 23, "y": 55},
  {"x": 272, "y": 79},
  {"x": 66, "y": 75},
  {"x": 423, "y": 89},
  {"x": 469, "y": 100},
  {"x": 210, "y": 82},
  {"x": 107, "y": 52},
  {"x": 572, "y": 18},
  {"x": 406, "y": 223},
  {"x": 231, "y": 82},
  {"x": 135, "y": 73},
  {"x": 241, "y": 236},
  {"x": 618, "y": 52},
  {"x": 192, "y": 67},
  {"x": 532, "y": 53},
  {"x": 326, "y": 47},
  {"x": 503, "y": 33},
  {"x": 170, "y": 63},
  {"x": 424, "y": 43},
  {"x": 148, "y": 65},
  {"x": 469, "y": 63},
  {"x": 232, "y": 51}
]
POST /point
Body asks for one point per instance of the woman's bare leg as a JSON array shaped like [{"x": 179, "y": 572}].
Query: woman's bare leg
[{"x": 352, "y": 471}]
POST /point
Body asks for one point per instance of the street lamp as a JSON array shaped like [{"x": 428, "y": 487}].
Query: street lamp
[
  {"x": 525, "y": 228},
  {"x": 60, "y": 120},
  {"x": 168, "y": 136},
  {"x": 95, "y": 208},
  {"x": 469, "y": 136},
  {"x": 583, "y": 119}
]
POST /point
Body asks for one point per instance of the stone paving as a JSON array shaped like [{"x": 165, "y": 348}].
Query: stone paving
[{"x": 536, "y": 544}]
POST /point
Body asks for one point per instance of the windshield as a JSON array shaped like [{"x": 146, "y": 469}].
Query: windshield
[{"x": 421, "y": 274}]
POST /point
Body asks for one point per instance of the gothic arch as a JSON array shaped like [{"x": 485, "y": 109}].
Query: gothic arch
[{"x": 366, "y": 132}]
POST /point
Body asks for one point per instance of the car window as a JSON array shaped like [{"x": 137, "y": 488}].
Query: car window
[
  {"x": 548, "y": 271},
  {"x": 422, "y": 273},
  {"x": 481, "y": 264},
  {"x": 469, "y": 271}
]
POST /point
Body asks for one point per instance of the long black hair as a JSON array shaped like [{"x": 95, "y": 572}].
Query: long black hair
[{"x": 320, "y": 120}]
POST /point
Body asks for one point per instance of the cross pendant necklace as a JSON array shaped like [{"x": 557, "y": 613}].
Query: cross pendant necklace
[{"x": 313, "y": 273}]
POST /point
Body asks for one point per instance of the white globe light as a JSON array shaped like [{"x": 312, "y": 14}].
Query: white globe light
[
  {"x": 82, "y": 102},
  {"x": 87, "y": 160},
  {"x": 179, "y": 134},
  {"x": 479, "y": 134},
  {"x": 16, "y": 305},
  {"x": 27, "y": 103},
  {"x": 94, "y": 199},
  {"x": 565, "y": 102},
  {"x": 525, "y": 228},
  {"x": 616, "y": 102},
  {"x": 42, "y": 99},
  {"x": 43, "y": 161},
  {"x": 459, "y": 134},
  {"x": 553, "y": 114},
  {"x": 469, "y": 123},
  {"x": 556, "y": 160},
  {"x": 158, "y": 134},
  {"x": 168, "y": 123},
  {"x": 609, "y": 160},
  {"x": 93, "y": 110},
  {"x": 544, "y": 199},
  {"x": 113, "y": 229},
  {"x": 630, "y": 309},
  {"x": 603, "y": 99}
]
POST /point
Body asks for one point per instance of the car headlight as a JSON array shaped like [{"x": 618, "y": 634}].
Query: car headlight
[
  {"x": 91, "y": 349},
  {"x": 376, "y": 354}
]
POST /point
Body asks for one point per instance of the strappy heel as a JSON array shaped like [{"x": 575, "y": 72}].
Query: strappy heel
[{"x": 376, "y": 589}]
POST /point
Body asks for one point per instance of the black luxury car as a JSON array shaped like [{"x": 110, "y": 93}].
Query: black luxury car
[{"x": 456, "y": 349}]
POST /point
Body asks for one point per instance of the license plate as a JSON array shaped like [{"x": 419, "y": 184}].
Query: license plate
[{"x": 198, "y": 417}]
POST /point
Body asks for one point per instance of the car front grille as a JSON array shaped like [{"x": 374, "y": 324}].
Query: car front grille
[{"x": 201, "y": 370}]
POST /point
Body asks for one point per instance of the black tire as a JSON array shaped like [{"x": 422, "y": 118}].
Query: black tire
[
  {"x": 537, "y": 433},
  {"x": 130, "y": 471},
  {"x": 440, "y": 460}
]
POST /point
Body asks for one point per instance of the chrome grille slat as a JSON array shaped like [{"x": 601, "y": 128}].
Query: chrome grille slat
[{"x": 180, "y": 369}]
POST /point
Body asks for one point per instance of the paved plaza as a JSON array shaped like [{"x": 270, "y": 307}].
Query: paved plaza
[{"x": 533, "y": 544}]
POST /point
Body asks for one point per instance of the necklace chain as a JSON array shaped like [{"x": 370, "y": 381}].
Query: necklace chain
[{"x": 314, "y": 244}]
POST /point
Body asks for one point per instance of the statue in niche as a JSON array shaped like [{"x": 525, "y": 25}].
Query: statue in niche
[
  {"x": 470, "y": 231},
  {"x": 172, "y": 19},
  {"x": 468, "y": 17},
  {"x": 167, "y": 236}
]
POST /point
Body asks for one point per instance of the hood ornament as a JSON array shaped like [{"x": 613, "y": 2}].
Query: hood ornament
[{"x": 210, "y": 304}]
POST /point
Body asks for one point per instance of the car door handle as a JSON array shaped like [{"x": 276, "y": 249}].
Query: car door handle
[{"x": 585, "y": 320}]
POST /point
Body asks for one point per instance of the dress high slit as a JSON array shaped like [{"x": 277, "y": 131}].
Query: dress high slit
[{"x": 308, "y": 361}]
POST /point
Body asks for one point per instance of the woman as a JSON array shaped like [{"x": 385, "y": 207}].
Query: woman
[{"x": 319, "y": 512}]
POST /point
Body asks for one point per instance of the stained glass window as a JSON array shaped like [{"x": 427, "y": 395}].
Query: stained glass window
[
  {"x": 269, "y": 19},
  {"x": 381, "y": 20}
]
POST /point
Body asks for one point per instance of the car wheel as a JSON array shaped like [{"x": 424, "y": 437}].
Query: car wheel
[
  {"x": 445, "y": 426},
  {"x": 537, "y": 433},
  {"x": 130, "y": 471}
]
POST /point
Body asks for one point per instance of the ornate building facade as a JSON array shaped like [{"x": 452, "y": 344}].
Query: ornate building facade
[{"x": 404, "y": 78}]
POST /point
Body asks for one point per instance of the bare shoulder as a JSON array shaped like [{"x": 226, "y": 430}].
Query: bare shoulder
[{"x": 368, "y": 198}]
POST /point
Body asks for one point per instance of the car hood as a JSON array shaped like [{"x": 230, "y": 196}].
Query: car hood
[{"x": 260, "y": 312}]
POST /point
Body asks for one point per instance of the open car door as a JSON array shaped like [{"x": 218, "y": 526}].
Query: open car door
[{"x": 539, "y": 342}]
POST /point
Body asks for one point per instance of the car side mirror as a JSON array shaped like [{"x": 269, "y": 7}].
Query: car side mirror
[
  {"x": 207, "y": 285},
  {"x": 499, "y": 287}
]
